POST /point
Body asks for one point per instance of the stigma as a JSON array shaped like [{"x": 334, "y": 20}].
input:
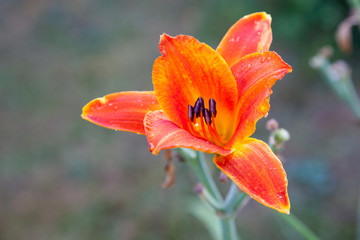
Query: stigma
[{"x": 202, "y": 120}]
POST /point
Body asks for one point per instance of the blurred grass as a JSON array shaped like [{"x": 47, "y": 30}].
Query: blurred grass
[{"x": 64, "y": 178}]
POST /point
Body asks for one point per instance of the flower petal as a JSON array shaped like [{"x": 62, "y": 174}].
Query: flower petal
[
  {"x": 164, "y": 134},
  {"x": 123, "y": 111},
  {"x": 187, "y": 70},
  {"x": 250, "y": 34},
  {"x": 255, "y": 74},
  {"x": 258, "y": 172}
]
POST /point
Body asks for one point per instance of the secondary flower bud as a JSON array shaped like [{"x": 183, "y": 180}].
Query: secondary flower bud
[
  {"x": 223, "y": 178},
  {"x": 272, "y": 125},
  {"x": 199, "y": 188},
  {"x": 281, "y": 135}
]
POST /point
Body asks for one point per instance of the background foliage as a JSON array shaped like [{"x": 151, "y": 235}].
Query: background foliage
[{"x": 64, "y": 178}]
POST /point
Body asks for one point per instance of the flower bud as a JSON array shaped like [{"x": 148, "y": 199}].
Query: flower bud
[
  {"x": 199, "y": 188},
  {"x": 281, "y": 135},
  {"x": 340, "y": 70},
  {"x": 272, "y": 125},
  {"x": 223, "y": 178},
  {"x": 344, "y": 36}
]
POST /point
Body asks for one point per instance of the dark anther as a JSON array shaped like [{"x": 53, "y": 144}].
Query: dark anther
[
  {"x": 201, "y": 100},
  {"x": 212, "y": 107},
  {"x": 191, "y": 113},
  {"x": 197, "y": 108},
  {"x": 207, "y": 117}
]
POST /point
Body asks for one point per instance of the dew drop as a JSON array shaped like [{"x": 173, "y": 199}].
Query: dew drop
[{"x": 102, "y": 100}]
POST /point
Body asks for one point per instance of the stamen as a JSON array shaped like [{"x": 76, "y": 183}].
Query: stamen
[
  {"x": 197, "y": 108},
  {"x": 203, "y": 126},
  {"x": 207, "y": 117},
  {"x": 192, "y": 129},
  {"x": 191, "y": 113},
  {"x": 212, "y": 107},
  {"x": 201, "y": 100},
  {"x": 206, "y": 126},
  {"x": 212, "y": 129},
  {"x": 213, "y": 136}
]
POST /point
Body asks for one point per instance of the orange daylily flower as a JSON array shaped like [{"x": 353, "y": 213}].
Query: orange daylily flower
[{"x": 210, "y": 100}]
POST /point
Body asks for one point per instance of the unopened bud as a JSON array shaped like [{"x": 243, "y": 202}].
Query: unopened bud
[
  {"x": 199, "y": 188},
  {"x": 272, "y": 124},
  {"x": 344, "y": 36},
  {"x": 281, "y": 135},
  {"x": 321, "y": 57},
  {"x": 326, "y": 51},
  {"x": 317, "y": 61},
  {"x": 340, "y": 70},
  {"x": 223, "y": 178}
]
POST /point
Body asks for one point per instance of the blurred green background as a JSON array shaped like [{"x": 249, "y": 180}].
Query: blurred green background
[{"x": 64, "y": 178}]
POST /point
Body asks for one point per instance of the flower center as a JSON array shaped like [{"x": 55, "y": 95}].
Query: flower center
[{"x": 202, "y": 120}]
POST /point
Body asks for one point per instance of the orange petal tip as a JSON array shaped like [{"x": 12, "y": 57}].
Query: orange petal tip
[
  {"x": 124, "y": 111},
  {"x": 258, "y": 172}
]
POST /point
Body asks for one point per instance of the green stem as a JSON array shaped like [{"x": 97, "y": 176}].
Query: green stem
[
  {"x": 225, "y": 209},
  {"x": 358, "y": 220},
  {"x": 211, "y": 201},
  {"x": 343, "y": 87},
  {"x": 299, "y": 226},
  {"x": 354, "y": 4},
  {"x": 234, "y": 199},
  {"x": 228, "y": 229},
  {"x": 352, "y": 99},
  {"x": 197, "y": 162}
]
